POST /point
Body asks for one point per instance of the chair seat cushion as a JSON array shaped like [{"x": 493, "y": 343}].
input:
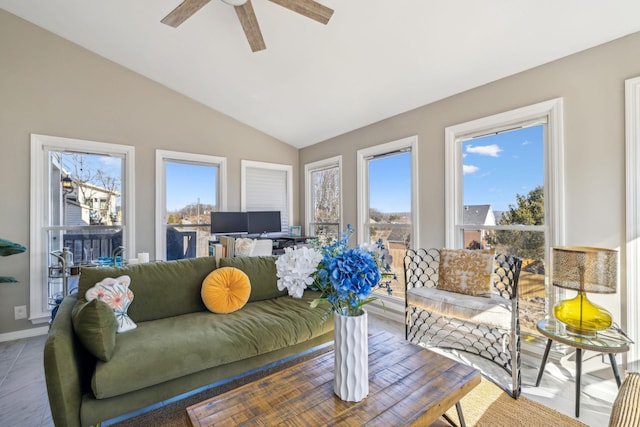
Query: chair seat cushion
[{"x": 492, "y": 311}]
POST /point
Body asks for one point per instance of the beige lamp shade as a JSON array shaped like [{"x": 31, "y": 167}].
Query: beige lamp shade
[{"x": 585, "y": 269}]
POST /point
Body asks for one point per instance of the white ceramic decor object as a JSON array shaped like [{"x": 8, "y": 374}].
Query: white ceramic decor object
[{"x": 351, "y": 366}]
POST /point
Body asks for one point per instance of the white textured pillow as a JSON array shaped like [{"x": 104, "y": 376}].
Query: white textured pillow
[
  {"x": 118, "y": 296},
  {"x": 244, "y": 247}
]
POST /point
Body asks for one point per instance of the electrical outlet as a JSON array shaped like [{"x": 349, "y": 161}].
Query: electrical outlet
[{"x": 20, "y": 312}]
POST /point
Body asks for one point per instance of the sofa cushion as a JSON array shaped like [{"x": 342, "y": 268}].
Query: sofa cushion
[
  {"x": 118, "y": 296},
  {"x": 95, "y": 325},
  {"x": 262, "y": 275},
  {"x": 492, "y": 311},
  {"x": 164, "y": 349},
  {"x": 225, "y": 290},
  {"x": 161, "y": 288},
  {"x": 466, "y": 271}
]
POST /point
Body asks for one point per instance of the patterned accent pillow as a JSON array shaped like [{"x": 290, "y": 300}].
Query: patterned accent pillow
[
  {"x": 466, "y": 271},
  {"x": 118, "y": 296}
]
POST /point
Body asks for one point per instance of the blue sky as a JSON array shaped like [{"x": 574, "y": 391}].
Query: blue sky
[
  {"x": 390, "y": 183},
  {"x": 498, "y": 167},
  {"x": 187, "y": 183}
]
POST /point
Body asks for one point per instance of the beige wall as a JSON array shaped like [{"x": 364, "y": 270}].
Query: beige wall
[
  {"x": 52, "y": 87},
  {"x": 592, "y": 85}
]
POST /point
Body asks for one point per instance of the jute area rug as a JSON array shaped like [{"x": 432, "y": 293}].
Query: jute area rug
[{"x": 486, "y": 405}]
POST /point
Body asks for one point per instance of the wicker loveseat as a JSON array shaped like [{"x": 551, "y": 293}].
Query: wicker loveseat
[{"x": 488, "y": 327}]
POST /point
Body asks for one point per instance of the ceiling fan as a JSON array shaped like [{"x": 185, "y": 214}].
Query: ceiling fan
[{"x": 244, "y": 10}]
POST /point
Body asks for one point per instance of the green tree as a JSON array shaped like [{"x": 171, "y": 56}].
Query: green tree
[{"x": 528, "y": 211}]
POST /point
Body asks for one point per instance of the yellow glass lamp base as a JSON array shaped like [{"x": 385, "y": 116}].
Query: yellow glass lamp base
[{"x": 582, "y": 316}]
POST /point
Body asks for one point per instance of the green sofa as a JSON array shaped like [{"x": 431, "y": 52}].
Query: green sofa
[{"x": 178, "y": 345}]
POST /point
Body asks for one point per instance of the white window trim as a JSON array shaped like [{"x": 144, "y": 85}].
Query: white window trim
[
  {"x": 244, "y": 164},
  {"x": 363, "y": 173},
  {"x": 40, "y": 144},
  {"x": 309, "y": 168},
  {"x": 161, "y": 193},
  {"x": 632, "y": 123},
  {"x": 551, "y": 112},
  {"x": 387, "y": 306}
]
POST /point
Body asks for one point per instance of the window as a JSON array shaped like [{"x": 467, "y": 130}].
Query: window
[
  {"x": 323, "y": 197},
  {"x": 188, "y": 188},
  {"x": 268, "y": 187},
  {"x": 632, "y": 116},
  {"x": 387, "y": 200},
  {"x": 82, "y": 203},
  {"x": 504, "y": 191}
]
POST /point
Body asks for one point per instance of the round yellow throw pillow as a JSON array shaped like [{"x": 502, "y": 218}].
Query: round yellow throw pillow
[{"x": 225, "y": 290}]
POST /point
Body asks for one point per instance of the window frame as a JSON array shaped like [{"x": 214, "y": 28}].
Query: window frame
[
  {"x": 549, "y": 112},
  {"x": 309, "y": 169},
  {"x": 40, "y": 213},
  {"x": 387, "y": 306},
  {"x": 163, "y": 156},
  {"x": 632, "y": 159},
  {"x": 411, "y": 143},
  {"x": 288, "y": 169}
]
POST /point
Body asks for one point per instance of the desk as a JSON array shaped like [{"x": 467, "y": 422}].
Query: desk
[
  {"x": 281, "y": 242},
  {"x": 609, "y": 341}
]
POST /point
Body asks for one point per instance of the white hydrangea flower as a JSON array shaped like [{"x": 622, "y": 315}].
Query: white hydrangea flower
[{"x": 295, "y": 268}]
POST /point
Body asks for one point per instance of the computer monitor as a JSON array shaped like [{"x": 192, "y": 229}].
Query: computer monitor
[
  {"x": 264, "y": 222},
  {"x": 229, "y": 223}
]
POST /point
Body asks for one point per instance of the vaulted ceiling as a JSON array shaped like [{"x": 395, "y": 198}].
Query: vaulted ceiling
[{"x": 374, "y": 59}]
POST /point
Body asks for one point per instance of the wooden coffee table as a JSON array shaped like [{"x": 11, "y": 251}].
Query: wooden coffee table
[{"x": 408, "y": 385}]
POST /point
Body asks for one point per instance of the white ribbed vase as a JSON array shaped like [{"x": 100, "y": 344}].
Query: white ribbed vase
[{"x": 351, "y": 366}]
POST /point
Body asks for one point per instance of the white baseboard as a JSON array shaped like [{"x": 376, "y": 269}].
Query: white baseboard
[{"x": 25, "y": 333}]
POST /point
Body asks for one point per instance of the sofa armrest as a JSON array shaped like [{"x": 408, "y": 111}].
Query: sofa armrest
[{"x": 63, "y": 367}]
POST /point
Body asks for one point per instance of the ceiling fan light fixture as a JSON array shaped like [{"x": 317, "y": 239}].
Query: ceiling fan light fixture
[{"x": 235, "y": 2}]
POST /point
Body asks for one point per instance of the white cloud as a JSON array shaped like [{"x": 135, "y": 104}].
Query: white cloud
[
  {"x": 492, "y": 150},
  {"x": 526, "y": 142},
  {"x": 469, "y": 169},
  {"x": 110, "y": 161}
]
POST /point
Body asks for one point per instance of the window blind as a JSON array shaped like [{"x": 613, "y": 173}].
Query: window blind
[{"x": 266, "y": 190}]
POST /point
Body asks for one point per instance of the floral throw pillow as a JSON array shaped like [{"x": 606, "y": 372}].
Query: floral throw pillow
[
  {"x": 118, "y": 296},
  {"x": 466, "y": 271}
]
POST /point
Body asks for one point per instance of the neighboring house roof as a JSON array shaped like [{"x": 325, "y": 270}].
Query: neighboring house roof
[{"x": 478, "y": 215}]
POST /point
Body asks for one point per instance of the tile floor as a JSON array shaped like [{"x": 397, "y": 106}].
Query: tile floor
[{"x": 23, "y": 396}]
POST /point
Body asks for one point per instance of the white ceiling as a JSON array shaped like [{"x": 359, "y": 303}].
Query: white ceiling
[{"x": 375, "y": 58}]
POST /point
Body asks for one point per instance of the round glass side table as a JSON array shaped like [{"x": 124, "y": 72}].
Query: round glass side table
[{"x": 608, "y": 341}]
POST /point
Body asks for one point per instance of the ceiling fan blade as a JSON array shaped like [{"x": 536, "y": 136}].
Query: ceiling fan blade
[
  {"x": 183, "y": 12},
  {"x": 249, "y": 23},
  {"x": 309, "y": 8}
]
